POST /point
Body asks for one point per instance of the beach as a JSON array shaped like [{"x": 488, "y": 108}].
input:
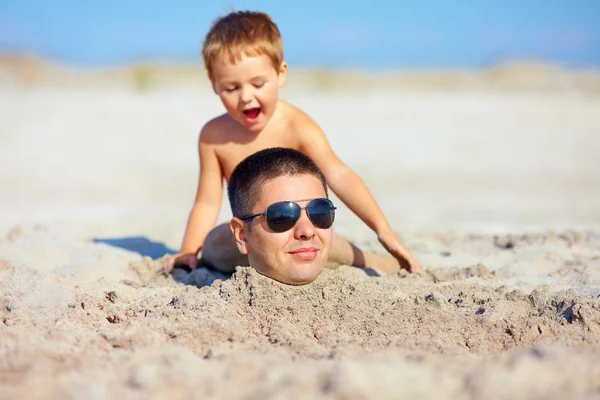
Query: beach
[{"x": 491, "y": 179}]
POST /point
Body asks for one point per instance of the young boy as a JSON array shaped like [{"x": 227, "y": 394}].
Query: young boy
[{"x": 243, "y": 54}]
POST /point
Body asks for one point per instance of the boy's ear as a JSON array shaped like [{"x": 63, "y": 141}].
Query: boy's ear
[
  {"x": 212, "y": 82},
  {"x": 238, "y": 229},
  {"x": 282, "y": 73}
]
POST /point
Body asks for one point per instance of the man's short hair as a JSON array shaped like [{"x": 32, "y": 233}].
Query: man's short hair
[
  {"x": 242, "y": 32},
  {"x": 254, "y": 171}
]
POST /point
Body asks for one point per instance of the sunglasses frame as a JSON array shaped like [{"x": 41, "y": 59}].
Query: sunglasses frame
[{"x": 333, "y": 207}]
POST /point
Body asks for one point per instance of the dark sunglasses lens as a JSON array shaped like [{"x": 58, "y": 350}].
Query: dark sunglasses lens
[
  {"x": 282, "y": 216},
  {"x": 321, "y": 212}
]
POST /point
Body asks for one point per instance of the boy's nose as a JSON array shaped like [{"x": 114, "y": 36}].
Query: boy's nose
[
  {"x": 246, "y": 95},
  {"x": 304, "y": 229}
]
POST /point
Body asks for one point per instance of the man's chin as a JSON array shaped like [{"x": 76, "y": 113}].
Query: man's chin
[
  {"x": 294, "y": 272},
  {"x": 302, "y": 274}
]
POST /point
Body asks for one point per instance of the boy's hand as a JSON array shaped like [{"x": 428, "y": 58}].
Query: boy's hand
[
  {"x": 394, "y": 247},
  {"x": 187, "y": 259}
]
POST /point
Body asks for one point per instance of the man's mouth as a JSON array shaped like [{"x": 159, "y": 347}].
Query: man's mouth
[
  {"x": 305, "y": 253},
  {"x": 252, "y": 114}
]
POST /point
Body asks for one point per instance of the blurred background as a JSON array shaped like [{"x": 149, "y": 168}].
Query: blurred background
[
  {"x": 479, "y": 117},
  {"x": 374, "y": 35}
]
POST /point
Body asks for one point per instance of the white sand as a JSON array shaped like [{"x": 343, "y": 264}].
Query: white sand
[{"x": 103, "y": 161}]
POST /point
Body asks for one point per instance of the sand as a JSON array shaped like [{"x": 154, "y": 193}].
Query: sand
[{"x": 495, "y": 190}]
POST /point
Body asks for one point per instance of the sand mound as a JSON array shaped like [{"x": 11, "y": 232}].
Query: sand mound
[{"x": 446, "y": 332}]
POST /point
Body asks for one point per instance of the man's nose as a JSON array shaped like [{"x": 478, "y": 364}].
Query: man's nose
[{"x": 304, "y": 229}]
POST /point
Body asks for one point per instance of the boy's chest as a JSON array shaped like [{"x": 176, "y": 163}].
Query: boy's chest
[{"x": 232, "y": 153}]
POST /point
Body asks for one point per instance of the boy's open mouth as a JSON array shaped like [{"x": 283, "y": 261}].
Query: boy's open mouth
[{"x": 252, "y": 113}]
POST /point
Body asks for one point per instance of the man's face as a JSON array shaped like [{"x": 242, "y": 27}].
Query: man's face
[
  {"x": 296, "y": 256},
  {"x": 249, "y": 88}
]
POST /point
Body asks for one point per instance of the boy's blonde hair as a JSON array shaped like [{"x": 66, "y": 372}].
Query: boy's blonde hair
[{"x": 242, "y": 32}]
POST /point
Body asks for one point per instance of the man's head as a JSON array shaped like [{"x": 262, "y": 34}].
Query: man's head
[
  {"x": 243, "y": 54},
  {"x": 283, "y": 183}
]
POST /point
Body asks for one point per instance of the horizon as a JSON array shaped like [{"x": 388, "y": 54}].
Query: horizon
[{"x": 385, "y": 35}]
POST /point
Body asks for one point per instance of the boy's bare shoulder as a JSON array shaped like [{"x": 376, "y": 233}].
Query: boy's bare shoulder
[
  {"x": 301, "y": 124},
  {"x": 215, "y": 130},
  {"x": 298, "y": 120}
]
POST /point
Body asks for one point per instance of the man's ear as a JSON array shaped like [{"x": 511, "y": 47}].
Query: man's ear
[
  {"x": 239, "y": 231},
  {"x": 282, "y": 75}
]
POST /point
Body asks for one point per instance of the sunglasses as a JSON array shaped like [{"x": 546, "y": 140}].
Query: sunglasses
[{"x": 283, "y": 215}]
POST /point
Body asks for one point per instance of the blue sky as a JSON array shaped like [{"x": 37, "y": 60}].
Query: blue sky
[{"x": 320, "y": 33}]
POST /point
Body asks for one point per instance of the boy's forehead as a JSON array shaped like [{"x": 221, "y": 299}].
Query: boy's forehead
[{"x": 224, "y": 64}]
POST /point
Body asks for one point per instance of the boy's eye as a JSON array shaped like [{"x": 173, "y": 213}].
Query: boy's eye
[
  {"x": 259, "y": 84},
  {"x": 230, "y": 88}
]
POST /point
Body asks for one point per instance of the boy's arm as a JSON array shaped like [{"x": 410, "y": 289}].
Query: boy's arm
[
  {"x": 350, "y": 188},
  {"x": 205, "y": 210}
]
